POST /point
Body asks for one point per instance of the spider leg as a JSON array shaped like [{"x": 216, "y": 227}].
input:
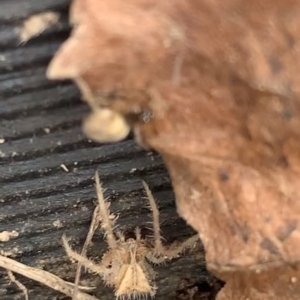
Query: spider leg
[
  {"x": 148, "y": 268},
  {"x": 81, "y": 259},
  {"x": 120, "y": 236},
  {"x": 154, "y": 259},
  {"x": 138, "y": 233},
  {"x": 104, "y": 211},
  {"x": 158, "y": 247},
  {"x": 174, "y": 250}
]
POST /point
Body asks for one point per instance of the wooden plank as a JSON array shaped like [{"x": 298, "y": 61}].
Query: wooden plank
[
  {"x": 47, "y": 98},
  {"x": 20, "y": 82},
  {"x": 110, "y": 161},
  {"x": 34, "y": 54},
  {"x": 36, "y": 146},
  {"x": 65, "y": 117}
]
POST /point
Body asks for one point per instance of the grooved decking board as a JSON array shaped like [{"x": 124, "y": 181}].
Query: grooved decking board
[{"x": 40, "y": 124}]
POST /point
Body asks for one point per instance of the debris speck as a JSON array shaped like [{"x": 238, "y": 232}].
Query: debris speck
[
  {"x": 64, "y": 168},
  {"x": 47, "y": 130},
  {"x": 11, "y": 253},
  {"x": 5, "y": 236},
  {"x": 57, "y": 224},
  {"x": 132, "y": 170},
  {"x": 84, "y": 208},
  {"x": 2, "y": 141},
  {"x": 36, "y": 24}
]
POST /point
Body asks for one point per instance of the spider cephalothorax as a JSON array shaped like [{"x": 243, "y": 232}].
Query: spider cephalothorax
[
  {"x": 126, "y": 266},
  {"x": 128, "y": 271}
]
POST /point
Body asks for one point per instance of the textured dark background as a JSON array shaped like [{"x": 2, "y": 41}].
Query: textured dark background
[{"x": 40, "y": 122}]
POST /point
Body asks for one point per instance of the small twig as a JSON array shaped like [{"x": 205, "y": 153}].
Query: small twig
[
  {"x": 94, "y": 225},
  {"x": 43, "y": 277},
  {"x": 82, "y": 287},
  {"x": 21, "y": 286}
]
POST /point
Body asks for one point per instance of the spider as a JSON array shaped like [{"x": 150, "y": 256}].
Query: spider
[{"x": 126, "y": 266}]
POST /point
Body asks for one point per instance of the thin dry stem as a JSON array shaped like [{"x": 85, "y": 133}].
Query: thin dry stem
[
  {"x": 94, "y": 225},
  {"x": 21, "y": 286},
  {"x": 43, "y": 277}
]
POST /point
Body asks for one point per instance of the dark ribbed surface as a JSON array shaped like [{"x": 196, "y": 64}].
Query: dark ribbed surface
[{"x": 40, "y": 122}]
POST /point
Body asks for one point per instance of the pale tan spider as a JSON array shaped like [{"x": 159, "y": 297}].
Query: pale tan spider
[{"x": 126, "y": 265}]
